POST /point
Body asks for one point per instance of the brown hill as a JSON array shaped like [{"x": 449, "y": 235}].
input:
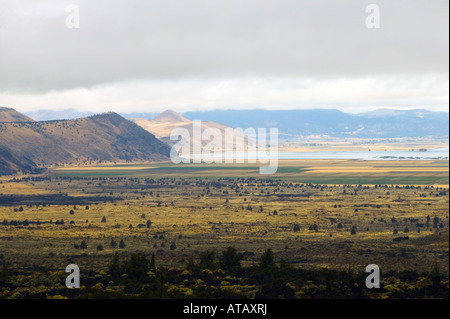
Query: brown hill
[
  {"x": 163, "y": 124},
  {"x": 25, "y": 146},
  {"x": 10, "y": 115},
  {"x": 170, "y": 116}
]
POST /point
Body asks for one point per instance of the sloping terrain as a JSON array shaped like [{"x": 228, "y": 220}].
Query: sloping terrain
[
  {"x": 102, "y": 138},
  {"x": 163, "y": 125},
  {"x": 10, "y": 115}
]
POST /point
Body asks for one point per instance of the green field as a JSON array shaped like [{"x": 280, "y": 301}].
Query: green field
[{"x": 304, "y": 171}]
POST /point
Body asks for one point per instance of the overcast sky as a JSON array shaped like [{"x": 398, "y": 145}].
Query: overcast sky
[{"x": 152, "y": 55}]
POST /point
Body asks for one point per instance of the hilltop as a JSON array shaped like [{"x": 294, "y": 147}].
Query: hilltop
[
  {"x": 164, "y": 123},
  {"x": 10, "y": 115}
]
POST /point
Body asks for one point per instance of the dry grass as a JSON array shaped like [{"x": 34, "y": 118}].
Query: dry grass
[{"x": 197, "y": 219}]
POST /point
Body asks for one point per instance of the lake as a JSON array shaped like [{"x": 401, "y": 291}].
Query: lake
[{"x": 436, "y": 154}]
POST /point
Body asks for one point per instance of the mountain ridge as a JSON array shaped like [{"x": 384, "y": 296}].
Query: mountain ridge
[
  {"x": 107, "y": 137},
  {"x": 8, "y": 115},
  {"x": 335, "y": 123}
]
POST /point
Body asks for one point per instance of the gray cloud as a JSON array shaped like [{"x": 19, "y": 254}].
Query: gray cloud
[{"x": 214, "y": 40}]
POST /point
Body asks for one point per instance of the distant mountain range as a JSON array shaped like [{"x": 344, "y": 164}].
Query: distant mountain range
[
  {"x": 383, "y": 123},
  {"x": 70, "y": 114},
  {"x": 28, "y": 145}
]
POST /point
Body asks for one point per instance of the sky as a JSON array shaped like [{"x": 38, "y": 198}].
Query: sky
[{"x": 193, "y": 55}]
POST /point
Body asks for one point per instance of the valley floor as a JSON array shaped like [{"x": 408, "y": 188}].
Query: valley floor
[{"x": 83, "y": 216}]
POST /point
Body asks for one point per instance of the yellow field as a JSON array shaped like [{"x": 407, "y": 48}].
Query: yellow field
[
  {"x": 247, "y": 212},
  {"x": 7, "y": 188},
  {"x": 330, "y": 172}
]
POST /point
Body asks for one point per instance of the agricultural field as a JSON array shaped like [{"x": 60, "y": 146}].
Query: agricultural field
[
  {"x": 312, "y": 215},
  {"x": 303, "y": 171}
]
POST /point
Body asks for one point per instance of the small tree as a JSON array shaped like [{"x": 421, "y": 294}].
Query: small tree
[
  {"x": 149, "y": 223},
  {"x": 267, "y": 260},
  {"x": 173, "y": 246},
  {"x": 114, "y": 267},
  {"x": 230, "y": 259},
  {"x": 4, "y": 274},
  {"x": 435, "y": 275},
  {"x": 137, "y": 266},
  {"x": 207, "y": 260},
  {"x": 122, "y": 244},
  {"x": 435, "y": 221},
  {"x": 152, "y": 261},
  {"x": 406, "y": 230},
  {"x": 104, "y": 219},
  {"x": 99, "y": 247},
  {"x": 353, "y": 230},
  {"x": 113, "y": 243},
  {"x": 83, "y": 244},
  {"x": 296, "y": 227}
]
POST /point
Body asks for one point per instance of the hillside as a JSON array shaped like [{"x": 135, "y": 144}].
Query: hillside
[
  {"x": 25, "y": 146},
  {"x": 164, "y": 123},
  {"x": 10, "y": 115},
  {"x": 71, "y": 114}
]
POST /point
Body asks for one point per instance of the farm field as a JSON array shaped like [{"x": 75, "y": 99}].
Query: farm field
[
  {"x": 304, "y": 171},
  {"x": 312, "y": 214}
]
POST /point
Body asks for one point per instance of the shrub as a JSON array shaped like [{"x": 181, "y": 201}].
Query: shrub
[
  {"x": 137, "y": 266},
  {"x": 207, "y": 259},
  {"x": 267, "y": 260},
  {"x": 230, "y": 259},
  {"x": 114, "y": 268}
]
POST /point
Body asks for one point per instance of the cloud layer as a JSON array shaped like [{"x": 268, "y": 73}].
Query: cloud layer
[{"x": 150, "y": 55}]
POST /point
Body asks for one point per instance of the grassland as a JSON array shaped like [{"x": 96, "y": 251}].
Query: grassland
[
  {"x": 304, "y": 171},
  {"x": 305, "y": 213}
]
